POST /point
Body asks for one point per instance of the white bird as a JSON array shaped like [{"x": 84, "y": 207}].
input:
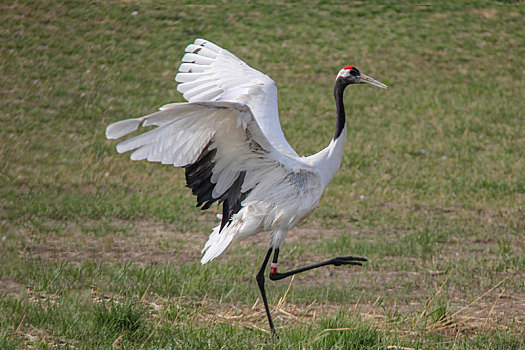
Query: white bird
[{"x": 229, "y": 141}]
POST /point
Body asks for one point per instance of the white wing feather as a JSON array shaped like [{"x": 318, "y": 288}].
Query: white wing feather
[
  {"x": 211, "y": 73},
  {"x": 185, "y": 129},
  {"x": 272, "y": 181}
]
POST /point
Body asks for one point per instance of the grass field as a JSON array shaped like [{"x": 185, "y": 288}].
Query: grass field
[{"x": 97, "y": 251}]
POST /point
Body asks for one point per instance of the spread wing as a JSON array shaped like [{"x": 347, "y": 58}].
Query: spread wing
[
  {"x": 211, "y": 73},
  {"x": 220, "y": 145}
]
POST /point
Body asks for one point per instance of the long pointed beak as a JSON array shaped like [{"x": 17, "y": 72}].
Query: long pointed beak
[{"x": 365, "y": 79}]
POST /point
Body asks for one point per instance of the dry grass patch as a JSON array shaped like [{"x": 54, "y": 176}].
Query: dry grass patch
[{"x": 140, "y": 241}]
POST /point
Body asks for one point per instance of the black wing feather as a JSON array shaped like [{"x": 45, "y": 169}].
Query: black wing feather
[{"x": 198, "y": 179}]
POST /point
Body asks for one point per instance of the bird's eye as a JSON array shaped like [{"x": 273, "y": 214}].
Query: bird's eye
[{"x": 354, "y": 72}]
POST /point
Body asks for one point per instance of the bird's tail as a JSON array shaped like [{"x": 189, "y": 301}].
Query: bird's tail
[{"x": 217, "y": 243}]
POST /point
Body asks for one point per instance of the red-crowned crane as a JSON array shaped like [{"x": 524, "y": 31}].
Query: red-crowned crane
[{"x": 229, "y": 141}]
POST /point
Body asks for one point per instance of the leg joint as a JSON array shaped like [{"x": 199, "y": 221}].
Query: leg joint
[{"x": 259, "y": 278}]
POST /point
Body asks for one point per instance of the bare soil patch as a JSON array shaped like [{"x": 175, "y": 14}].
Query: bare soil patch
[{"x": 145, "y": 242}]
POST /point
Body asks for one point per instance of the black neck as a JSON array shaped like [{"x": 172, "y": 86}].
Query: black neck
[{"x": 339, "y": 88}]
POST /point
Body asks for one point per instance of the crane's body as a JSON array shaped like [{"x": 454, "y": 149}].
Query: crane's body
[{"x": 229, "y": 141}]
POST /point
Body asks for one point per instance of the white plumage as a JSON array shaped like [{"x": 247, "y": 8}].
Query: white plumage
[
  {"x": 233, "y": 108},
  {"x": 271, "y": 179}
]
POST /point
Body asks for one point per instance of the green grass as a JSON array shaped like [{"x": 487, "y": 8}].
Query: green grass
[{"x": 102, "y": 252}]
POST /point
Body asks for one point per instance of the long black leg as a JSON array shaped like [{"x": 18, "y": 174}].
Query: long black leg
[
  {"x": 342, "y": 260},
  {"x": 260, "y": 283}
]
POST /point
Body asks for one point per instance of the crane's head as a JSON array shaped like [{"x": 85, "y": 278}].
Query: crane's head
[{"x": 351, "y": 75}]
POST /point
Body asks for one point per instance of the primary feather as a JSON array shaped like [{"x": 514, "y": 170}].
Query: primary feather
[{"x": 210, "y": 73}]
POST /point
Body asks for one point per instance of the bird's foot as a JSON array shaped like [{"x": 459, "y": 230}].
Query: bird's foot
[
  {"x": 275, "y": 276},
  {"x": 347, "y": 260}
]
